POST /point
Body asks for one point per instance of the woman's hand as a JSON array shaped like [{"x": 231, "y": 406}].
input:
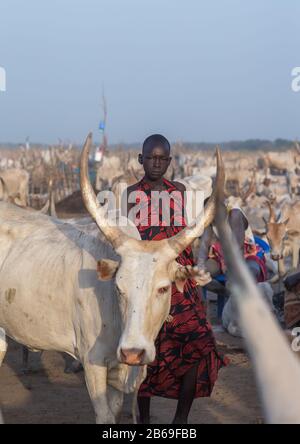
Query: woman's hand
[{"x": 200, "y": 275}]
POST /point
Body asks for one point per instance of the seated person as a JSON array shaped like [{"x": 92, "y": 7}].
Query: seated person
[{"x": 211, "y": 256}]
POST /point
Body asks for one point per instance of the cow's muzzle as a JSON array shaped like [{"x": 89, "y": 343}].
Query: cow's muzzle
[{"x": 132, "y": 356}]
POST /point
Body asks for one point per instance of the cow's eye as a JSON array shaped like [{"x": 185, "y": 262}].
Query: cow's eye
[{"x": 163, "y": 290}]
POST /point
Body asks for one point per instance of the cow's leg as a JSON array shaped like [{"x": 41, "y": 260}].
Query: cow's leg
[
  {"x": 3, "y": 345},
  {"x": 115, "y": 401},
  {"x": 25, "y": 356},
  {"x": 71, "y": 365},
  {"x": 295, "y": 255},
  {"x": 96, "y": 381}
]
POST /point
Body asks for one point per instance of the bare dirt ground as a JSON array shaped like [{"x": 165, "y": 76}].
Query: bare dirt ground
[{"x": 47, "y": 395}]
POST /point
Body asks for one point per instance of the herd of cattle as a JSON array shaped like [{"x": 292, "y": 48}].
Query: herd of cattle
[{"x": 78, "y": 285}]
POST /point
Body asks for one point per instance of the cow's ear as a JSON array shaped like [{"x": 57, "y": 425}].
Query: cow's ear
[
  {"x": 292, "y": 232},
  {"x": 106, "y": 269}
]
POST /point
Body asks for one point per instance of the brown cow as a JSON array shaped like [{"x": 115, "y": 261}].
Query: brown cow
[{"x": 283, "y": 232}]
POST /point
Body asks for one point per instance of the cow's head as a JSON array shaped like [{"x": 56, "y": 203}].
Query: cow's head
[
  {"x": 237, "y": 197},
  {"x": 276, "y": 233},
  {"x": 146, "y": 271}
]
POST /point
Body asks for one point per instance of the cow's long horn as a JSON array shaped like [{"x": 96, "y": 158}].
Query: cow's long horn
[
  {"x": 113, "y": 234},
  {"x": 272, "y": 217},
  {"x": 183, "y": 239},
  {"x": 134, "y": 174},
  {"x": 52, "y": 199},
  {"x": 251, "y": 189},
  {"x": 50, "y": 203},
  {"x": 276, "y": 367}
]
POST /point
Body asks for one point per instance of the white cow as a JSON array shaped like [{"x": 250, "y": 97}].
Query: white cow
[
  {"x": 109, "y": 170},
  {"x": 16, "y": 185},
  {"x": 52, "y": 299}
]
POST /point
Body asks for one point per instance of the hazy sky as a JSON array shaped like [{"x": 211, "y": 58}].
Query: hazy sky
[{"x": 194, "y": 70}]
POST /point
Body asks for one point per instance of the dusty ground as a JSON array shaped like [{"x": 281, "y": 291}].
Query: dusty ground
[{"x": 48, "y": 395}]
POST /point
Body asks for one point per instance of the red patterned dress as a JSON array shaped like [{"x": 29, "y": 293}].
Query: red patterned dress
[{"x": 187, "y": 340}]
